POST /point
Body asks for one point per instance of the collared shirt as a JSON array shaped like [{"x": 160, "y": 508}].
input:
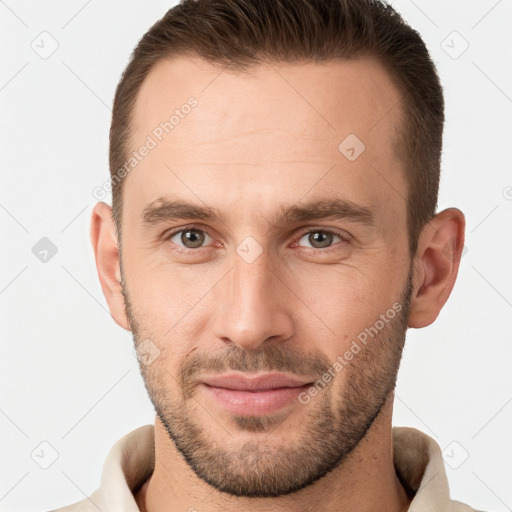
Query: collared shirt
[{"x": 417, "y": 459}]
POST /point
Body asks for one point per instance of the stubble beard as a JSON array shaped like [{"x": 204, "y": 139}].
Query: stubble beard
[{"x": 332, "y": 424}]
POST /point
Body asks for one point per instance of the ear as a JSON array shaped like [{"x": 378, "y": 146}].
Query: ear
[
  {"x": 104, "y": 243},
  {"x": 436, "y": 265}
]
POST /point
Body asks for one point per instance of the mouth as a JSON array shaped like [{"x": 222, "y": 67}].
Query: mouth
[{"x": 256, "y": 395}]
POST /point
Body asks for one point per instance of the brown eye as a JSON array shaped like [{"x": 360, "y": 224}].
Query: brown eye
[
  {"x": 321, "y": 239},
  {"x": 189, "y": 238}
]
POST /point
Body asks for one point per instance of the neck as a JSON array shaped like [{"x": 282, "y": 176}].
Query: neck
[{"x": 365, "y": 481}]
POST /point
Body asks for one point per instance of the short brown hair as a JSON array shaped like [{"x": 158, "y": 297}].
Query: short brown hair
[{"x": 241, "y": 33}]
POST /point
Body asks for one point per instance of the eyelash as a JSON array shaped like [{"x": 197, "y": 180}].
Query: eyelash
[{"x": 343, "y": 238}]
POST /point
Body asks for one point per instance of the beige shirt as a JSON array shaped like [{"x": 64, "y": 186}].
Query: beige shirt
[{"x": 417, "y": 458}]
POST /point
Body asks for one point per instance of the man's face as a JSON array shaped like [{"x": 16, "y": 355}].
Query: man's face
[{"x": 265, "y": 285}]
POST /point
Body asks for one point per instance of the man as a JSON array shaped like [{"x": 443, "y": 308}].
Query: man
[{"x": 273, "y": 234}]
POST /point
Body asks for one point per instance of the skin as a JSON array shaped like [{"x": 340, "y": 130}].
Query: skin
[{"x": 257, "y": 143}]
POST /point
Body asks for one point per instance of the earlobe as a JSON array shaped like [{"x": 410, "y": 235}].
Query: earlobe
[
  {"x": 104, "y": 243},
  {"x": 436, "y": 265}
]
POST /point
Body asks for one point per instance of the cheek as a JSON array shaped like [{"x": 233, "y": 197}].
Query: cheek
[
  {"x": 164, "y": 292},
  {"x": 348, "y": 301},
  {"x": 168, "y": 304}
]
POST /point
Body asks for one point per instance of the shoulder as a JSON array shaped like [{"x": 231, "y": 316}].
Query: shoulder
[
  {"x": 457, "y": 506},
  {"x": 90, "y": 504}
]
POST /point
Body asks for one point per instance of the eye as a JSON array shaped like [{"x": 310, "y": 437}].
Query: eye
[
  {"x": 190, "y": 238},
  {"x": 321, "y": 239}
]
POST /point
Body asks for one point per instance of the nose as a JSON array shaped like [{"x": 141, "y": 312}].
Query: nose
[{"x": 253, "y": 305}]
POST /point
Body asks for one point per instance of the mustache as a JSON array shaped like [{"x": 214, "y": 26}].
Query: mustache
[{"x": 270, "y": 358}]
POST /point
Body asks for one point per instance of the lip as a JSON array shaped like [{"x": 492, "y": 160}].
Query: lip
[
  {"x": 259, "y": 382},
  {"x": 256, "y": 395}
]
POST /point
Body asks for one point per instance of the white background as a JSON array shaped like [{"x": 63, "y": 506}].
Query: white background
[{"x": 69, "y": 375}]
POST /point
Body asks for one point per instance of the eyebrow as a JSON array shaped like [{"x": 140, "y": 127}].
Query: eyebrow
[{"x": 166, "y": 210}]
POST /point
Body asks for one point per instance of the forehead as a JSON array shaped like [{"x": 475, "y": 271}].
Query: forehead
[
  {"x": 330, "y": 97},
  {"x": 279, "y": 124}
]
